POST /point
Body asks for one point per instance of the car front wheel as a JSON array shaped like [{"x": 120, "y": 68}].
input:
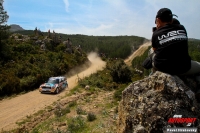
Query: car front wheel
[{"x": 57, "y": 90}]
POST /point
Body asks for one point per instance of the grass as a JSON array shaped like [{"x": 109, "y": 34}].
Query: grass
[
  {"x": 75, "y": 90},
  {"x": 118, "y": 92},
  {"x": 80, "y": 111},
  {"x": 58, "y": 112},
  {"x": 49, "y": 108},
  {"x": 29, "y": 117},
  {"x": 44, "y": 126},
  {"x": 72, "y": 104},
  {"x": 39, "y": 112}
]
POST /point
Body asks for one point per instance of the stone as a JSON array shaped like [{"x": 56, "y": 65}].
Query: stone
[{"x": 148, "y": 104}]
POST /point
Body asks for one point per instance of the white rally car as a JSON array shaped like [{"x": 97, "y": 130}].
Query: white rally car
[{"x": 54, "y": 85}]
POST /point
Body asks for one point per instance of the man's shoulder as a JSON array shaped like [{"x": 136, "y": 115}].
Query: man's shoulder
[
  {"x": 174, "y": 27},
  {"x": 168, "y": 28}
]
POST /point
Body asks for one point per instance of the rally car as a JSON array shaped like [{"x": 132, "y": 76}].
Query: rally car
[{"x": 54, "y": 85}]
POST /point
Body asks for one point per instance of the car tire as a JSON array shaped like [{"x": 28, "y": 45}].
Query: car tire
[{"x": 57, "y": 90}]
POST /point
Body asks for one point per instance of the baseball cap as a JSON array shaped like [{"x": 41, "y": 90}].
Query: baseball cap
[{"x": 165, "y": 14}]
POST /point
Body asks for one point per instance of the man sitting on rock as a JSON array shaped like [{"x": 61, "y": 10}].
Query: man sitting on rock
[{"x": 170, "y": 44}]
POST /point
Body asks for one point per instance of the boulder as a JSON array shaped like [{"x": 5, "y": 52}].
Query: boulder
[{"x": 148, "y": 104}]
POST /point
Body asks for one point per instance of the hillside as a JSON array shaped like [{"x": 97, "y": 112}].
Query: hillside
[
  {"x": 107, "y": 46},
  {"x": 27, "y": 61},
  {"x": 28, "y": 58},
  {"x": 14, "y": 27}
]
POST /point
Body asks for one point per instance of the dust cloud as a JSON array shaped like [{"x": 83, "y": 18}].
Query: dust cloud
[
  {"x": 94, "y": 64},
  {"x": 93, "y": 59}
]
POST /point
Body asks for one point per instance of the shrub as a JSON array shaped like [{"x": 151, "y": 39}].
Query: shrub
[
  {"x": 59, "y": 111},
  {"x": 91, "y": 116},
  {"x": 72, "y": 104},
  {"x": 27, "y": 82},
  {"x": 9, "y": 83},
  {"x": 120, "y": 72},
  {"x": 65, "y": 110},
  {"x": 118, "y": 93},
  {"x": 76, "y": 124},
  {"x": 80, "y": 111}
]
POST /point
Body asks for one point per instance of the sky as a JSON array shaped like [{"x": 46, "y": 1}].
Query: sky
[{"x": 101, "y": 17}]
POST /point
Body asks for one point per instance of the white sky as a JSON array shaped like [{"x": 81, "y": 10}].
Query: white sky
[{"x": 101, "y": 17}]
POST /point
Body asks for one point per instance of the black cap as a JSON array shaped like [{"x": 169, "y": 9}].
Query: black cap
[{"x": 165, "y": 14}]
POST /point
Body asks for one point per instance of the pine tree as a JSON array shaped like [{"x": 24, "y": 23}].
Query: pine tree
[
  {"x": 4, "y": 34},
  {"x": 3, "y": 14}
]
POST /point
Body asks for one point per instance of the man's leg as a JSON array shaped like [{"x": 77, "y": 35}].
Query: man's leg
[
  {"x": 152, "y": 54},
  {"x": 195, "y": 68}
]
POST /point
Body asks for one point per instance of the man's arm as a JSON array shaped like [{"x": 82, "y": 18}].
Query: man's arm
[{"x": 153, "y": 44}]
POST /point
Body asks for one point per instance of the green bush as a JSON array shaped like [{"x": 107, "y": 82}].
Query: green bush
[
  {"x": 27, "y": 82},
  {"x": 59, "y": 111},
  {"x": 76, "y": 124},
  {"x": 80, "y": 111},
  {"x": 72, "y": 104},
  {"x": 118, "y": 94},
  {"x": 119, "y": 71},
  {"x": 10, "y": 84},
  {"x": 91, "y": 116},
  {"x": 95, "y": 80}
]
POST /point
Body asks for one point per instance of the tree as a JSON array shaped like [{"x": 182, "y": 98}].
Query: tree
[
  {"x": 3, "y": 14},
  {"x": 3, "y": 32}
]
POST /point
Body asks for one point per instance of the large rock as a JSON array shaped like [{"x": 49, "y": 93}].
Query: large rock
[{"x": 147, "y": 105}]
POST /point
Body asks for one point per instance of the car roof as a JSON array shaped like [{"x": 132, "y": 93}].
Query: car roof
[{"x": 60, "y": 78}]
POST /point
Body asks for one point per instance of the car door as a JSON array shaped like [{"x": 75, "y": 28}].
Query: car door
[{"x": 62, "y": 84}]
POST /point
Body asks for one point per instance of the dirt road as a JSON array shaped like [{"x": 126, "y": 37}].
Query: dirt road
[
  {"x": 138, "y": 52},
  {"x": 14, "y": 109}
]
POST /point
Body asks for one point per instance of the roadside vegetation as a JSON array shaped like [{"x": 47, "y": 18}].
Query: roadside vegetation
[{"x": 194, "y": 49}]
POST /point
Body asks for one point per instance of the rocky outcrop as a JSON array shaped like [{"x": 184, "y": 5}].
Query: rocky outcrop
[{"x": 147, "y": 105}]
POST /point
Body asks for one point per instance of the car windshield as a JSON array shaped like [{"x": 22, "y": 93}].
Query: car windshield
[{"x": 53, "y": 81}]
